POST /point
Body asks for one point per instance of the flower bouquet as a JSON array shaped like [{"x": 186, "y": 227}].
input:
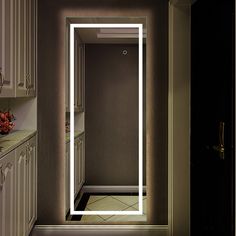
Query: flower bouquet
[{"x": 6, "y": 122}]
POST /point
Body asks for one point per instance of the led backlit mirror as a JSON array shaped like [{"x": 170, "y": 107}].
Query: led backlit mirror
[{"x": 105, "y": 117}]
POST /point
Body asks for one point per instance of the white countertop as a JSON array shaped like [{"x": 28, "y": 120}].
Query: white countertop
[
  {"x": 77, "y": 134},
  {"x": 14, "y": 139}
]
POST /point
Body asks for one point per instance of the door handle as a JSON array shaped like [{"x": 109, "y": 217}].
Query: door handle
[{"x": 221, "y": 146}]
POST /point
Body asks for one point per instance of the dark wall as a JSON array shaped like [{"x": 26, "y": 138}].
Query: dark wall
[
  {"x": 51, "y": 95},
  {"x": 111, "y": 114}
]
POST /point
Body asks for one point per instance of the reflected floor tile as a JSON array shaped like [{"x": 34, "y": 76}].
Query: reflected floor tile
[
  {"x": 93, "y": 199},
  {"x": 107, "y": 204},
  {"x": 128, "y": 200},
  {"x": 113, "y": 203},
  {"x": 144, "y": 206},
  {"x": 123, "y": 218}
]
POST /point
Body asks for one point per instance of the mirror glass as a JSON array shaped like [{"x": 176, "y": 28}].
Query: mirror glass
[{"x": 105, "y": 108}]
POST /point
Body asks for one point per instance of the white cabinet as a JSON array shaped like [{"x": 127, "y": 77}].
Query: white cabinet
[
  {"x": 7, "y": 47},
  {"x": 7, "y": 195},
  {"x": 18, "y": 188},
  {"x": 26, "y": 48},
  {"x": 31, "y": 49},
  {"x": 21, "y": 190},
  {"x": 81, "y": 78},
  {"x": 79, "y": 73},
  {"x": 26, "y": 187},
  {"x": 79, "y": 164},
  {"x": 79, "y": 169},
  {"x": 31, "y": 167},
  {"x": 17, "y": 48}
]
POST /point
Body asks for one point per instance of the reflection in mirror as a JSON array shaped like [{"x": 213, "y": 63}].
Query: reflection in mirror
[{"x": 105, "y": 165}]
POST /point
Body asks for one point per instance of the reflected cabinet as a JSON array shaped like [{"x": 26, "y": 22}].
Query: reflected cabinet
[
  {"x": 79, "y": 75},
  {"x": 79, "y": 169}
]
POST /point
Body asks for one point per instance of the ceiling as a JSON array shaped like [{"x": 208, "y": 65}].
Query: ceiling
[{"x": 109, "y": 35}]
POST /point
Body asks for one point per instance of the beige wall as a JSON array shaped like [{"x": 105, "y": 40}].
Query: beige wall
[
  {"x": 111, "y": 97},
  {"x": 51, "y": 93},
  {"x": 179, "y": 118}
]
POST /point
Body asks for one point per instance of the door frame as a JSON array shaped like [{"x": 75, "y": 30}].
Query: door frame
[{"x": 179, "y": 122}]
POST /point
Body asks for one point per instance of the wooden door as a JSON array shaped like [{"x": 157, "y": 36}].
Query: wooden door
[{"x": 212, "y": 119}]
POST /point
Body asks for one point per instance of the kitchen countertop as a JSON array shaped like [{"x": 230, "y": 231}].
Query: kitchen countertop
[
  {"x": 77, "y": 134},
  {"x": 14, "y": 139}
]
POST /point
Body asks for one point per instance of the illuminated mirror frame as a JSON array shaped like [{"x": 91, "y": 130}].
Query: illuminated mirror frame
[{"x": 140, "y": 113}]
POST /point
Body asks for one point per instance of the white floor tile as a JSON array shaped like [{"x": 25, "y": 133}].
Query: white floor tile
[{"x": 129, "y": 200}]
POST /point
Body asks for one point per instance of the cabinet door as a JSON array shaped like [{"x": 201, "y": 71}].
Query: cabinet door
[
  {"x": 79, "y": 163},
  {"x": 7, "y": 27},
  {"x": 79, "y": 74},
  {"x": 7, "y": 195},
  {"x": 21, "y": 85},
  {"x": 76, "y": 166},
  {"x": 82, "y": 161},
  {"x": 32, "y": 183},
  {"x": 80, "y": 82},
  {"x": 31, "y": 39},
  {"x": 26, "y": 38},
  {"x": 21, "y": 190},
  {"x": 67, "y": 179}
]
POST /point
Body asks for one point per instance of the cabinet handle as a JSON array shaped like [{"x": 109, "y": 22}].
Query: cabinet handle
[
  {"x": 27, "y": 81},
  {"x": 1, "y": 80},
  {"x": 3, "y": 177},
  {"x": 27, "y": 84}
]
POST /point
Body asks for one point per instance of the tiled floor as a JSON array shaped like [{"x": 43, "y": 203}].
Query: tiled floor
[{"x": 114, "y": 203}]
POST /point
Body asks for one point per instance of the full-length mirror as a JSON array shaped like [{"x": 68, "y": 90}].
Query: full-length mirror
[{"x": 105, "y": 120}]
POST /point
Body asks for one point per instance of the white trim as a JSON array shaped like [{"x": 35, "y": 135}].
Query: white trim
[
  {"x": 140, "y": 113},
  {"x": 179, "y": 122},
  {"x": 103, "y": 227},
  {"x": 105, "y": 230},
  {"x": 235, "y": 118},
  {"x": 72, "y": 118},
  {"x": 170, "y": 123},
  {"x": 111, "y": 189}
]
